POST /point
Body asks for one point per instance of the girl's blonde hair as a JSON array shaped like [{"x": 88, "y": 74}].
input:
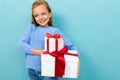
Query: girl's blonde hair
[{"x": 41, "y": 2}]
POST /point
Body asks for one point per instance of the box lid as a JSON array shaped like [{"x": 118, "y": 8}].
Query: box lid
[{"x": 70, "y": 58}]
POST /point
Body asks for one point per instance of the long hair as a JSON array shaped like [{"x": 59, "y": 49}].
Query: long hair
[{"x": 41, "y": 2}]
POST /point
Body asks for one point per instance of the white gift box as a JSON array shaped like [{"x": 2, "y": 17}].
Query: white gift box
[
  {"x": 71, "y": 68},
  {"x": 52, "y": 44}
]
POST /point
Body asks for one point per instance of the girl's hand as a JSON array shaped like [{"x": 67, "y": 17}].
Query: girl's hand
[{"x": 37, "y": 52}]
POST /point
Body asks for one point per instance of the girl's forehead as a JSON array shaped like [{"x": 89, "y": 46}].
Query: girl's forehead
[{"x": 40, "y": 7}]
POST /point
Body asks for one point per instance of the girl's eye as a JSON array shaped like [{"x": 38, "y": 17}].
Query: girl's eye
[
  {"x": 35, "y": 15},
  {"x": 43, "y": 13}
]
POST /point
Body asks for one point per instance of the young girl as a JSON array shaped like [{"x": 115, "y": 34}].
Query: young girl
[{"x": 32, "y": 41}]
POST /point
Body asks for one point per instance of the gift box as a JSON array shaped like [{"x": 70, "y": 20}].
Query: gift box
[
  {"x": 53, "y": 42},
  {"x": 69, "y": 70}
]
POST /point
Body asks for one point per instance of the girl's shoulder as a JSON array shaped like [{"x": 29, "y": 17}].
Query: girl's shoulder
[
  {"x": 54, "y": 28},
  {"x": 31, "y": 26}
]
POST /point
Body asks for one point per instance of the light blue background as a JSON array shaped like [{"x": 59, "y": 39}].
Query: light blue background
[{"x": 92, "y": 25}]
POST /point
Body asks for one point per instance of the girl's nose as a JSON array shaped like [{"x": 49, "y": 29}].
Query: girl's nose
[{"x": 40, "y": 17}]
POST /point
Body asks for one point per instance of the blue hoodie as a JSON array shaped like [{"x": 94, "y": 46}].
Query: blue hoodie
[{"x": 34, "y": 38}]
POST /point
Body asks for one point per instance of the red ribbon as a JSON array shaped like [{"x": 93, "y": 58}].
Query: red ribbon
[
  {"x": 60, "y": 60},
  {"x": 52, "y": 36},
  {"x": 56, "y": 36}
]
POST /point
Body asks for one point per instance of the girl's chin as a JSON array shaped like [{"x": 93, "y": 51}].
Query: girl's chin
[{"x": 43, "y": 25}]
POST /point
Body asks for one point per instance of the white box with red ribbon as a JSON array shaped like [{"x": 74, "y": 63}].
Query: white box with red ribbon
[
  {"x": 63, "y": 63},
  {"x": 53, "y": 42}
]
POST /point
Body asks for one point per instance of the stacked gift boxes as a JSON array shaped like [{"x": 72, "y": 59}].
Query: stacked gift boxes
[{"x": 59, "y": 62}]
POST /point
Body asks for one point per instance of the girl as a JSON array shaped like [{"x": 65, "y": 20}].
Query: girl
[{"x": 32, "y": 41}]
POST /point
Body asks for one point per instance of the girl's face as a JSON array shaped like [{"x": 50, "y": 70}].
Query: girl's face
[{"x": 41, "y": 15}]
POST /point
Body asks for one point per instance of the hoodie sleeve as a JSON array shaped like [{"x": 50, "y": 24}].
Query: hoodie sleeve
[{"x": 24, "y": 42}]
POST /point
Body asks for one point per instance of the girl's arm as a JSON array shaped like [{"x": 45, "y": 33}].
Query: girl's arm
[
  {"x": 24, "y": 42},
  {"x": 67, "y": 42}
]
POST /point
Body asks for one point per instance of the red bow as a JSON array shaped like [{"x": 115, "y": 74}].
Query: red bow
[
  {"x": 59, "y": 60},
  {"x": 52, "y": 36}
]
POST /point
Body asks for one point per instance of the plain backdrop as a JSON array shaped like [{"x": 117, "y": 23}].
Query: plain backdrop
[{"x": 92, "y": 25}]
